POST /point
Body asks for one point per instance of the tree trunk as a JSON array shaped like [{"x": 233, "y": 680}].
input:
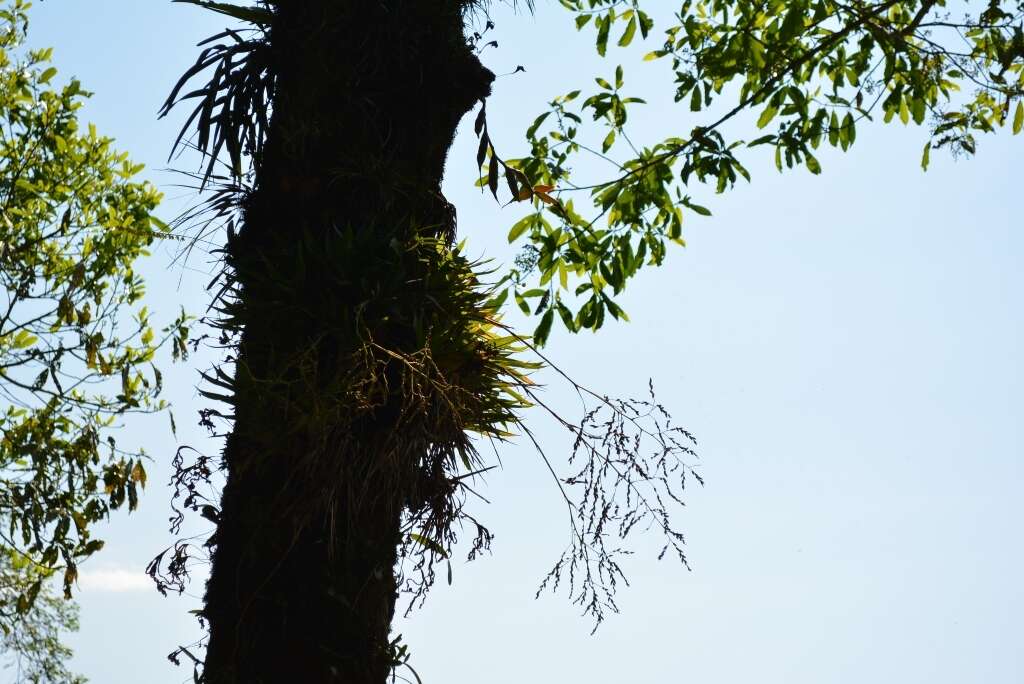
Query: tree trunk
[{"x": 321, "y": 464}]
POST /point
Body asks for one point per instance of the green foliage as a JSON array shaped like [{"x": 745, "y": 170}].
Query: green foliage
[
  {"x": 796, "y": 75},
  {"x": 72, "y": 223},
  {"x": 30, "y": 647}
]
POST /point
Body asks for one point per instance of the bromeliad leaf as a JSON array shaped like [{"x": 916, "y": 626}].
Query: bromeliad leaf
[
  {"x": 260, "y": 16},
  {"x": 429, "y": 543}
]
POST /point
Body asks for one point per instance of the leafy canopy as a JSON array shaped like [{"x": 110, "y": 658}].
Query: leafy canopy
[
  {"x": 30, "y": 648},
  {"x": 72, "y": 223},
  {"x": 787, "y": 75}
]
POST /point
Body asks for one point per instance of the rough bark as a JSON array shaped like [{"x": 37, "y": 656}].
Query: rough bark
[{"x": 369, "y": 94}]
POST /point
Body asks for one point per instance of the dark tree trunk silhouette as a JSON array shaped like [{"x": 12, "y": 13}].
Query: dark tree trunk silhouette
[{"x": 368, "y": 97}]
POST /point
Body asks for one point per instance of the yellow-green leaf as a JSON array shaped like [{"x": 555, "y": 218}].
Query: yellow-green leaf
[
  {"x": 812, "y": 164},
  {"x": 23, "y": 339},
  {"x": 627, "y": 35},
  {"x": 429, "y": 543},
  {"x": 519, "y": 228},
  {"x": 766, "y": 117}
]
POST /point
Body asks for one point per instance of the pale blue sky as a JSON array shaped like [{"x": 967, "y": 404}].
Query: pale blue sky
[{"x": 845, "y": 348}]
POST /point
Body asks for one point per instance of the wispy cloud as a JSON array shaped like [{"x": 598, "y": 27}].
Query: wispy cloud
[{"x": 114, "y": 580}]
